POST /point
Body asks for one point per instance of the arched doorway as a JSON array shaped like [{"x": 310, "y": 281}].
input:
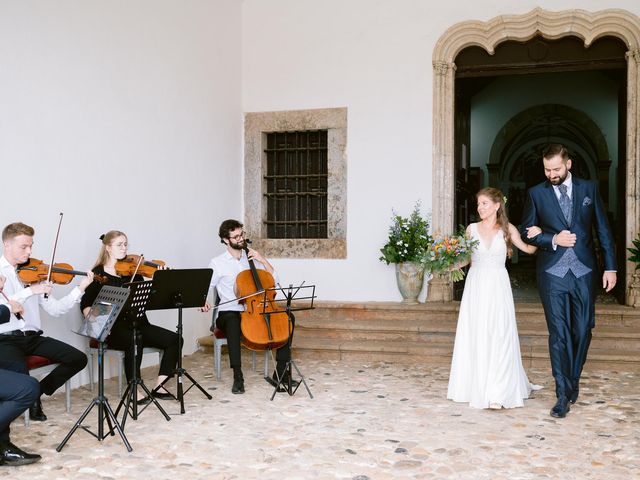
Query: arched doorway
[{"x": 541, "y": 24}]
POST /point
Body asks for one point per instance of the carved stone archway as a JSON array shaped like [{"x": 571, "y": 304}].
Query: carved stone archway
[{"x": 588, "y": 26}]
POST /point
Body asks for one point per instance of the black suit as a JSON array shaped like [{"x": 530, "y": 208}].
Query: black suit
[
  {"x": 17, "y": 390},
  {"x": 568, "y": 301}
]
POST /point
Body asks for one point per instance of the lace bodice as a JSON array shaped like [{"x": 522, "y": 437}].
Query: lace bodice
[{"x": 488, "y": 256}]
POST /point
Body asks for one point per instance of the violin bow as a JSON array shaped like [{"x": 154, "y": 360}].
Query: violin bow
[
  {"x": 53, "y": 253},
  {"x": 135, "y": 272},
  {"x": 18, "y": 316}
]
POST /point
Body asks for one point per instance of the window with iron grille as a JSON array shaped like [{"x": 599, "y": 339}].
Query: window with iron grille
[{"x": 296, "y": 184}]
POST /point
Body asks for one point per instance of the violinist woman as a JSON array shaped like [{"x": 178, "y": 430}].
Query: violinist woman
[
  {"x": 114, "y": 248},
  {"x": 226, "y": 268}
]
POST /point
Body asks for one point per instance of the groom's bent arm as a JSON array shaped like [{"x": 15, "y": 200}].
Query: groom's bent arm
[{"x": 530, "y": 218}]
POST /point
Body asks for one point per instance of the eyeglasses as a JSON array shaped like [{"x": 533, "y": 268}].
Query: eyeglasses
[
  {"x": 119, "y": 244},
  {"x": 239, "y": 236}
]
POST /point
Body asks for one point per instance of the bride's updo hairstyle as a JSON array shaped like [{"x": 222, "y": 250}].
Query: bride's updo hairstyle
[{"x": 496, "y": 196}]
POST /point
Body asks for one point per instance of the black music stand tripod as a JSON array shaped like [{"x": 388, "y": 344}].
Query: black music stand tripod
[
  {"x": 103, "y": 314},
  {"x": 180, "y": 289},
  {"x": 138, "y": 299},
  {"x": 282, "y": 383}
]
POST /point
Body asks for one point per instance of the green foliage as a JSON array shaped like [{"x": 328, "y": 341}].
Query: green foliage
[
  {"x": 635, "y": 252},
  {"x": 409, "y": 238}
]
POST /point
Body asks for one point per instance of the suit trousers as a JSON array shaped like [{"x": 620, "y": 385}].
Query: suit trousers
[
  {"x": 17, "y": 393},
  {"x": 569, "y": 307},
  {"x": 15, "y": 348},
  {"x": 229, "y": 323}
]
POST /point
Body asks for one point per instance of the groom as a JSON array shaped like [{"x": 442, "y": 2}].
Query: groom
[{"x": 567, "y": 209}]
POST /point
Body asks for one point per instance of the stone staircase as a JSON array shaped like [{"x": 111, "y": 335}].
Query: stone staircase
[{"x": 396, "y": 332}]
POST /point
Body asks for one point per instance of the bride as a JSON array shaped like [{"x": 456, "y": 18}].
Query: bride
[{"x": 486, "y": 369}]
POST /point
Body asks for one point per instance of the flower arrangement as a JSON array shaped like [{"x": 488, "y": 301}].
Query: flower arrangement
[
  {"x": 409, "y": 238},
  {"x": 447, "y": 252},
  {"x": 635, "y": 252}
]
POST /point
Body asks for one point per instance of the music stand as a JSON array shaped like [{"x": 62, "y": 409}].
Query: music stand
[
  {"x": 135, "y": 310},
  {"x": 97, "y": 325},
  {"x": 180, "y": 289},
  {"x": 290, "y": 295}
]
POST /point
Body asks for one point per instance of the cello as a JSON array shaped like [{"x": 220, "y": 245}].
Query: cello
[{"x": 262, "y": 324}]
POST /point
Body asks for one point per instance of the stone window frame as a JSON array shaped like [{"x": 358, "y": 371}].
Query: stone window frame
[
  {"x": 588, "y": 26},
  {"x": 256, "y": 127}
]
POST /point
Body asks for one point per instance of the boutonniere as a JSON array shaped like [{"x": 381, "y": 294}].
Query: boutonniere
[{"x": 586, "y": 201}]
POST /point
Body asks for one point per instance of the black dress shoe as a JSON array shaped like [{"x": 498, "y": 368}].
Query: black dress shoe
[
  {"x": 13, "y": 456},
  {"x": 238, "y": 385},
  {"x": 35, "y": 412},
  {"x": 163, "y": 395},
  {"x": 574, "y": 396},
  {"x": 561, "y": 408},
  {"x": 284, "y": 384}
]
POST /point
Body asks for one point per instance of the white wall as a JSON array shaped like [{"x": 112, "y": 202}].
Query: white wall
[
  {"x": 373, "y": 57},
  {"x": 126, "y": 115}
]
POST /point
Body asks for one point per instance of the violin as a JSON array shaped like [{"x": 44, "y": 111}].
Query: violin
[
  {"x": 36, "y": 271},
  {"x": 132, "y": 264},
  {"x": 261, "y": 324}
]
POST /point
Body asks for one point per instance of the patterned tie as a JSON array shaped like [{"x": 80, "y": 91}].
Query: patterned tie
[{"x": 565, "y": 202}]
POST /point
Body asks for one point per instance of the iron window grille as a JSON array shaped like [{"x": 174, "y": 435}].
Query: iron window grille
[{"x": 296, "y": 184}]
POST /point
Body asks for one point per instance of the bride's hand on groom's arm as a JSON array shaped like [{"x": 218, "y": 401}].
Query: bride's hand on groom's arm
[{"x": 533, "y": 231}]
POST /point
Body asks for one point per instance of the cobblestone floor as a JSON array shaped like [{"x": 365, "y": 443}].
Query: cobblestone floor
[{"x": 366, "y": 421}]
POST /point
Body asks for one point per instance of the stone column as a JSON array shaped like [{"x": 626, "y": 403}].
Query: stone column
[
  {"x": 633, "y": 172},
  {"x": 443, "y": 166}
]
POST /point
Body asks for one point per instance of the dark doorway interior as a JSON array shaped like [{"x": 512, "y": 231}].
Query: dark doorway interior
[{"x": 532, "y": 70}]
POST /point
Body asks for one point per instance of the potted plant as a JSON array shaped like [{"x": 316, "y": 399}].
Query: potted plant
[
  {"x": 406, "y": 247},
  {"x": 634, "y": 288}
]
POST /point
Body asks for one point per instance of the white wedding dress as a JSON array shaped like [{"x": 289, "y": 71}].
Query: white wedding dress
[{"x": 486, "y": 368}]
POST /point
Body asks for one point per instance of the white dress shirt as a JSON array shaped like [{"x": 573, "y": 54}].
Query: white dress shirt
[
  {"x": 15, "y": 290},
  {"x": 225, "y": 270}
]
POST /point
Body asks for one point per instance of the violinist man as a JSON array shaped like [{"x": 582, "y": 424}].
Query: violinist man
[
  {"x": 17, "y": 392},
  {"x": 20, "y": 337},
  {"x": 226, "y": 268}
]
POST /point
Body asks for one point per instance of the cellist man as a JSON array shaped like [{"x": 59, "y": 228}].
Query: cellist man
[{"x": 226, "y": 268}]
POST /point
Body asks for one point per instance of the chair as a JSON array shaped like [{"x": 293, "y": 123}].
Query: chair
[
  {"x": 220, "y": 339},
  {"x": 92, "y": 351},
  {"x": 40, "y": 366}
]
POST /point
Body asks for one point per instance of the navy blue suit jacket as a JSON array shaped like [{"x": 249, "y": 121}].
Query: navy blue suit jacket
[
  {"x": 5, "y": 314},
  {"x": 543, "y": 209}
]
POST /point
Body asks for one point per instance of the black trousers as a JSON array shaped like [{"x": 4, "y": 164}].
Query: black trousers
[
  {"x": 229, "y": 323},
  {"x": 17, "y": 392},
  {"x": 121, "y": 338},
  {"x": 569, "y": 308},
  {"x": 14, "y": 349}
]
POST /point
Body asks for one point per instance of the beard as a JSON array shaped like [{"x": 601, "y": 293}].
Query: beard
[
  {"x": 559, "y": 180},
  {"x": 237, "y": 246}
]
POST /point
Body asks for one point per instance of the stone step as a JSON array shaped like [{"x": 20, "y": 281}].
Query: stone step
[
  {"x": 440, "y": 354},
  {"x": 430, "y": 315},
  {"x": 605, "y": 337}
]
